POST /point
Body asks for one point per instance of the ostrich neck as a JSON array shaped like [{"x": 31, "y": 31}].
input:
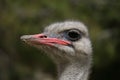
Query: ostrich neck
[{"x": 76, "y": 70}]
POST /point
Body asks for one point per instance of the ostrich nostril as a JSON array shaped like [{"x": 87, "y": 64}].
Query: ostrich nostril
[
  {"x": 43, "y": 36},
  {"x": 39, "y": 36}
]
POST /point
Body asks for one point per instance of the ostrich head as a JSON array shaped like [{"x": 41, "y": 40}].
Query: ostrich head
[{"x": 66, "y": 42}]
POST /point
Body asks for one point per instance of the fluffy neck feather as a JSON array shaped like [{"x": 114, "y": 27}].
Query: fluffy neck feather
[
  {"x": 75, "y": 70},
  {"x": 71, "y": 67}
]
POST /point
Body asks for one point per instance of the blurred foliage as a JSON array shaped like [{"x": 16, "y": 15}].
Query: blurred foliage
[{"x": 19, "y": 61}]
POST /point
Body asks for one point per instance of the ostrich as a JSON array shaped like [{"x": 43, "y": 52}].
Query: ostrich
[{"x": 69, "y": 46}]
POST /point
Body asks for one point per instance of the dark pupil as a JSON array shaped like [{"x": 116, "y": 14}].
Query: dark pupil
[{"x": 73, "y": 35}]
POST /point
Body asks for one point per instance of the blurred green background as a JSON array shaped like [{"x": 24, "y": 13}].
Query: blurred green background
[{"x": 19, "y": 61}]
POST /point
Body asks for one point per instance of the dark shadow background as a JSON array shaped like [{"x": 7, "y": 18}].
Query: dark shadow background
[{"x": 19, "y": 61}]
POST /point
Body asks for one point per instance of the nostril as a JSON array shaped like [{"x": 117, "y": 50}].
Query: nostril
[
  {"x": 39, "y": 36},
  {"x": 43, "y": 36}
]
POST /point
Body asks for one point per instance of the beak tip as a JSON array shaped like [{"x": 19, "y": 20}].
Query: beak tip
[
  {"x": 25, "y": 37},
  {"x": 22, "y": 37}
]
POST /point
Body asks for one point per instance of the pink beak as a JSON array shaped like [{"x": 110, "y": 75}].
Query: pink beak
[{"x": 38, "y": 39}]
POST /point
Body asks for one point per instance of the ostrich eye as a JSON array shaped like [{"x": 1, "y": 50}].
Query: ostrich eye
[{"x": 73, "y": 35}]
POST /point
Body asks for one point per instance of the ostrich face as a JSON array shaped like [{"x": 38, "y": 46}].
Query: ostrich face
[{"x": 65, "y": 38}]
